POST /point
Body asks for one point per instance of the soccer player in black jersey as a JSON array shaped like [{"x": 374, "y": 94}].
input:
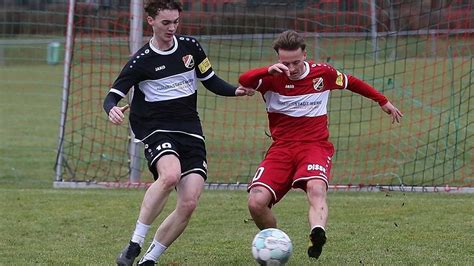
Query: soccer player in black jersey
[{"x": 164, "y": 117}]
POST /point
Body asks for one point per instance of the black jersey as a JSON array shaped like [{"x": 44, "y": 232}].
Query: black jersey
[{"x": 165, "y": 95}]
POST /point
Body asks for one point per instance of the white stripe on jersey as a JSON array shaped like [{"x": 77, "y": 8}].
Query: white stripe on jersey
[
  {"x": 117, "y": 92},
  {"x": 172, "y": 87},
  {"x": 345, "y": 81},
  {"x": 307, "y": 105},
  {"x": 207, "y": 77},
  {"x": 259, "y": 83}
]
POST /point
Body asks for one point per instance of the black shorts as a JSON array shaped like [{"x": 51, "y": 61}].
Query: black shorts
[{"x": 191, "y": 152}]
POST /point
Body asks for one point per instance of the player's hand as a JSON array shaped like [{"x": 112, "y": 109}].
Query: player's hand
[
  {"x": 279, "y": 68},
  {"x": 116, "y": 114},
  {"x": 393, "y": 112},
  {"x": 242, "y": 91}
]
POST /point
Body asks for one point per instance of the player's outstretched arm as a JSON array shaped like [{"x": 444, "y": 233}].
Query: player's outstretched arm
[
  {"x": 393, "y": 111},
  {"x": 252, "y": 78},
  {"x": 223, "y": 88},
  {"x": 243, "y": 91},
  {"x": 364, "y": 89}
]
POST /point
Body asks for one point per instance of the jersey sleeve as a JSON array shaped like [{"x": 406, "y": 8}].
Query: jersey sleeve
[
  {"x": 358, "y": 86},
  {"x": 203, "y": 68},
  {"x": 333, "y": 78},
  {"x": 128, "y": 77},
  {"x": 257, "y": 79}
]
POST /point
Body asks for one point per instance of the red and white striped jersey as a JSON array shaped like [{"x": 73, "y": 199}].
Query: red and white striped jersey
[{"x": 297, "y": 109}]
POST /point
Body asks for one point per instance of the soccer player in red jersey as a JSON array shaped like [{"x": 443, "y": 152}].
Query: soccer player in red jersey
[{"x": 296, "y": 94}]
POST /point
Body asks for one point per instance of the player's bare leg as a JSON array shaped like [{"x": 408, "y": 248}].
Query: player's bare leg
[
  {"x": 156, "y": 196},
  {"x": 318, "y": 208},
  {"x": 258, "y": 204},
  {"x": 316, "y": 192},
  {"x": 189, "y": 190}
]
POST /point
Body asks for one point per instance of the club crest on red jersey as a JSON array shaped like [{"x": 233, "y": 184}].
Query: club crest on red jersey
[
  {"x": 188, "y": 61},
  {"x": 318, "y": 84}
]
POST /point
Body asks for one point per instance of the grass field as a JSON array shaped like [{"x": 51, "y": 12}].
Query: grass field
[
  {"x": 41, "y": 225},
  {"x": 88, "y": 227}
]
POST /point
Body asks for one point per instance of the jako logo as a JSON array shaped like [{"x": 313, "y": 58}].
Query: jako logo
[
  {"x": 312, "y": 167},
  {"x": 160, "y": 68}
]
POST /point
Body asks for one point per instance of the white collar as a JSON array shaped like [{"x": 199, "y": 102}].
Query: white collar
[
  {"x": 167, "y": 52},
  {"x": 305, "y": 73}
]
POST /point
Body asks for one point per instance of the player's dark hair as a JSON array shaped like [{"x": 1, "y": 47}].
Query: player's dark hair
[
  {"x": 153, "y": 7},
  {"x": 289, "y": 40}
]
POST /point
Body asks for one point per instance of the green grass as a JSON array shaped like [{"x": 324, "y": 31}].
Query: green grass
[
  {"x": 89, "y": 227},
  {"x": 30, "y": 100}
]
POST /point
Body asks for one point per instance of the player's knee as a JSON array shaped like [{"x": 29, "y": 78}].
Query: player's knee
[
  {"x": 257, "y": 204},
  {"x": 169, "y": 180},
  {"x": 186, "y": 207},
  {"x": 316, "y": 188}
]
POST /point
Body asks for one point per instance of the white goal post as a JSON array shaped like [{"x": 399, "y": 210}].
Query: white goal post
[{"x": 135, "y": 43}]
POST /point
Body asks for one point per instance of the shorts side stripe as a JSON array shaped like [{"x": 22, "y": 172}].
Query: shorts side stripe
[
  {"x": 169, "y": 131},
  {"x": 309, "y": 178},
  {"x": 193, "y": 171},
  {"x": 263, "y": 185},
  {"x": 161, "y": 153}
]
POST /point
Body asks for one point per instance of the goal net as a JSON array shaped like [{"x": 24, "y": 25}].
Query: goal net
[{"x": 418, "y": 53}]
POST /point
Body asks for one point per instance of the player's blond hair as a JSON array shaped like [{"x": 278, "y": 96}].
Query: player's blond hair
[
  {"x": 153, "y": 7},
  {"x": 289, "y": 40}
]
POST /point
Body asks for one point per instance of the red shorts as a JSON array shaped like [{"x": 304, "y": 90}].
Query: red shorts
[{"x": 291, "y": 164}]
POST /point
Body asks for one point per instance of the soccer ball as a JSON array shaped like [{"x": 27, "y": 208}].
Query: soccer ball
[{"x": 271, "y": 246}]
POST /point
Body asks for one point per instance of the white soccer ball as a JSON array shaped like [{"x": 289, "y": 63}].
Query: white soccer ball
[{"x": 272, "y": 246}]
